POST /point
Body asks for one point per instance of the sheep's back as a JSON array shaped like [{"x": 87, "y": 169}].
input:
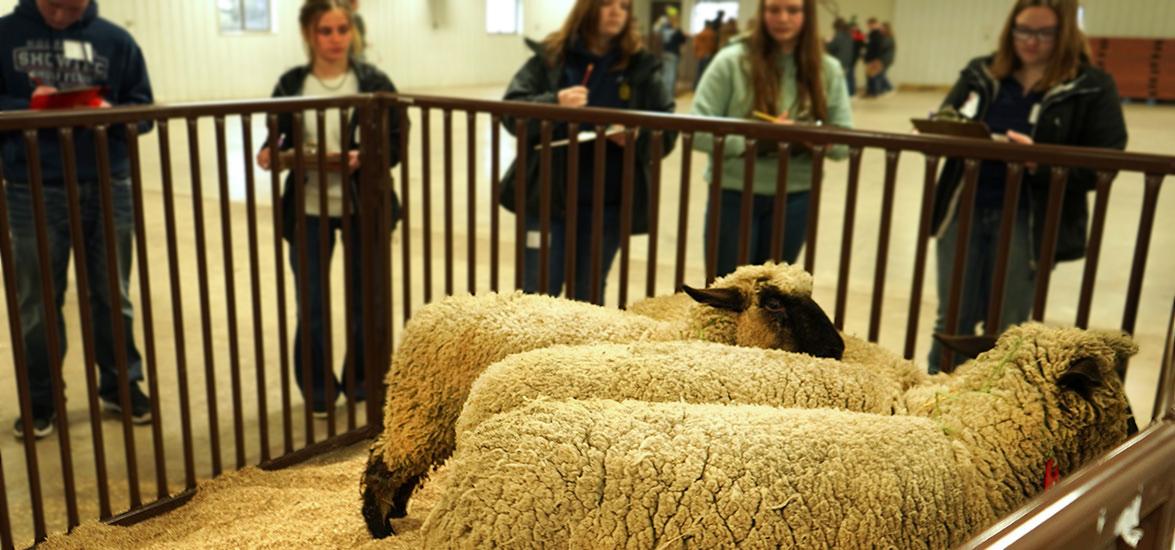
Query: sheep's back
[
  {"x": 689, "y": 371},
  {"x": 602, "y": 474}
]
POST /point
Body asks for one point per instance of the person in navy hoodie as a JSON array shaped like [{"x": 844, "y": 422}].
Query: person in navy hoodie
[
  {"x": 595, "y": 60},
  {"x": 46, "y": 46}
]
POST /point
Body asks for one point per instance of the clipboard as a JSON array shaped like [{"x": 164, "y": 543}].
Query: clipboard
[
  {"x": 334, "y": 161},
  {"x": 584, "y": 136},
  {"x": 965, "y": 129},
  {"x": 88, "y": 96}
]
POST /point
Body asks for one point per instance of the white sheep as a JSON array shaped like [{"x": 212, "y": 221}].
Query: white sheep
[
  {"x": 606, "y": 474},
  {"x": 689, "y": 371},
  {"x": 447, "y": 344}
]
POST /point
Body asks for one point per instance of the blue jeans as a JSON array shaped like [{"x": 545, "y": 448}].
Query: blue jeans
[
  {"x": 851, "y": 81},
  {"x": 703, "y": 62},
  {"x": 28, "y": 281},
  {"x": 762, "y": 215},
  {"x": 669, "y": 72},
  {"x": 322, "y": 377},
  {"x": 583, "y": 253},
  {"x": 982, "y": 248},
  {"x": 879, "y": 84}
]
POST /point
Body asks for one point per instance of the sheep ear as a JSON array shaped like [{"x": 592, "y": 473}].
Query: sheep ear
[
  {"x": 721, "y": 298},
  {"x": 968, "y": 346},
  {"x": 813, "y": 329},
  {"x": 1082, "y": 376}
]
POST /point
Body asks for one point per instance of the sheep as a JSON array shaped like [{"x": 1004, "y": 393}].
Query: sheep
[
  {"x": 447, "y": 344},
  {"x": 678, "y": 307},
  {"x": 608, "y": 474},
  {"x": 690, "y": 371}
]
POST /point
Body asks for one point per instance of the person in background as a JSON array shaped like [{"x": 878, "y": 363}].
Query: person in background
[
  {"x": 789, "y": 77},
  {"x": 1038, "y": 87},
  {"x": 727, "y": 32},
  {"x": 841, "y": 47},
  {"x": 360, "y": 32},
  {"x": 595, "y": 60},
  {"x": 671, "y": 37},
  {"x": 888, "y": 51},
  {"x": 705, "y": 45},
  {"x": 46, "y": 45},
  {"x": 328, "y": 32},
  {"x": 874, "y": 66}
]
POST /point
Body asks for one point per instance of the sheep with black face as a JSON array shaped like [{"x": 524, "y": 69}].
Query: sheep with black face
[{"x": 448, "y": 344}]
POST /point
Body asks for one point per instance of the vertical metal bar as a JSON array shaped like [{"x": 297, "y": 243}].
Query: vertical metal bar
[
  {"x": 118, "y": 329},
  {"x": 23, "y": 390},
  {"x": 999, "y": 275},
  {"x": 1048, "y": 245},
  {"x": 324, "y": 253},
  {"x": 5, "y": 522},
  {"x": 715, "y": 208},
  {"x": 447, "y": 117},
  {"x": 779, "y": 212},
  {"x": 376, "y": 281},
  {"x": 599, "y": 159},
  {"x": 544, "y": 184},
  {"x": 687, "y": 143},
  {"x": 571, "y": 233},
  {"x": 230, "y": 288},
  {"x": 654, "y": 211},
  {"x": 814, "y": 208},
  {"x": 205, "y": 314},
  {"x": 52, "y": 311},
  {"x": 748, "y": 202},
  {"x": 275, "y": 140},
  {"x": 255, "y": 285},
  {"x": 846, "y": 241},
  {"x": 891, "y": 174},
  {"x": 520, "y": 203},
  {"x": 629, "y": 169},
  {"x": 81, "y": 267},
  {"x": 495, "y": 197},
  {"x": 959, "y": 269},
  {"x": 471, "y": 196},
  {"x": 1097, "y": 230},
  {"x": 405, "y": 211},
  {"x": 177, "y": 301},
  {"x": 348, "y": 214},
  {"x": 921, "y": 240},
  {"x": 303, "y": 290},
  {"x": 1165, "y": 397},
  {"x": 1146, "y": 224},
  {"x": 426, "y": 197},
  {"x": 132, "y": 132}
]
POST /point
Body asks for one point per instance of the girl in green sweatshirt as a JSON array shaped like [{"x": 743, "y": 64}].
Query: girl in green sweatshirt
[{"x": 780, "y": 69}]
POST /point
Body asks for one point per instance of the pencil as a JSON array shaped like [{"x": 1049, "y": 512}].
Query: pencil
[
  {"x": 764, "y": 116},
  {"x": 587, "y": 74}
]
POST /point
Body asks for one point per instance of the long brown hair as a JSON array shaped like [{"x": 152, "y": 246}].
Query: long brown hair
[
  {"x": 313, "y": 10},
  {"x": 582, "y": 23},
  {"x": 763, "y": 54},
  {"x": 1070, "y": 49}
]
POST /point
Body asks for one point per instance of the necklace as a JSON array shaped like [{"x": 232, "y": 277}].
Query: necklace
[{"x": 336, "y": 87}]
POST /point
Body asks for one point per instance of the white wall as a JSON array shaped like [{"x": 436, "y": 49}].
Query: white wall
[
  {"x": 419, "y": 43},
  {"x": 936, "y": 37}
]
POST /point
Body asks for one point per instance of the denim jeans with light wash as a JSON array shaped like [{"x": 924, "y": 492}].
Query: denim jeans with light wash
[
  {"x": 982, "y": 247},
  {"x": 669, "y": 72},
  {"x": 322, "y": 377},
  {"x": 583, "y": 253},
  {"x": 28, "y": 281},
  {"x": 762, "y": 217}
]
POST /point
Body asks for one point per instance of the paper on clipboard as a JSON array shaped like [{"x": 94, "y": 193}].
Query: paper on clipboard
[
  {"x": 967, "y": 129},
  {"x": 584, "y": 137}
]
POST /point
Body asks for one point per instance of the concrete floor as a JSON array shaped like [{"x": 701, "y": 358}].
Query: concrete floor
[{"x": 1149, "y": 128}]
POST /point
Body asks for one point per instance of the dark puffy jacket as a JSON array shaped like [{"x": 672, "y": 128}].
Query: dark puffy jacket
[
  {"x": 538, "y": 82},
  {"x": 1084, "y": 111},
  {"x": 371, "y": 80}
]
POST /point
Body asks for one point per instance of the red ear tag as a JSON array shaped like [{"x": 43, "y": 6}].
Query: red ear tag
[{"x": 1051, "y": 474}]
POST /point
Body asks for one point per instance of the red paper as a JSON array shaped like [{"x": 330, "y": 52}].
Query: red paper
[{"x": 78, "y": 97}]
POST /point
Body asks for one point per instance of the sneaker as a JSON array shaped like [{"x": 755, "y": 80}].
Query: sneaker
[
  {"x": 42, "y": 427},
  {"x": 320, "y": 412},
  {"x": 140, "y": 405}
]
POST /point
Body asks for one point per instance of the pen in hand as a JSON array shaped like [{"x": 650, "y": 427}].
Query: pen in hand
[{"x": 587, "y": 74}]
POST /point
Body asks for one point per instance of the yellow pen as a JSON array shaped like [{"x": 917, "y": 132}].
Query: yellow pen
[{"x": 764, "y": 116}]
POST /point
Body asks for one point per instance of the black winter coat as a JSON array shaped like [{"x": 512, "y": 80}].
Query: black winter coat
[
  {"x": 371, "y": 80},
  {"x": 538, "y": 82},
  {"x": 1084, "y": 111}
]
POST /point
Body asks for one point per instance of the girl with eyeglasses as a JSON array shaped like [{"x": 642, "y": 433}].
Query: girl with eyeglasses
[{"x": 1038, "y": 87}]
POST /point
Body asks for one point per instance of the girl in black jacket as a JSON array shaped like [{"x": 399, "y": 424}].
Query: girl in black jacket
[
  {"x": 328, "y": 28},
  {"x": 595, "y": 60},
  {"x": 1037, "y": 88}
]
